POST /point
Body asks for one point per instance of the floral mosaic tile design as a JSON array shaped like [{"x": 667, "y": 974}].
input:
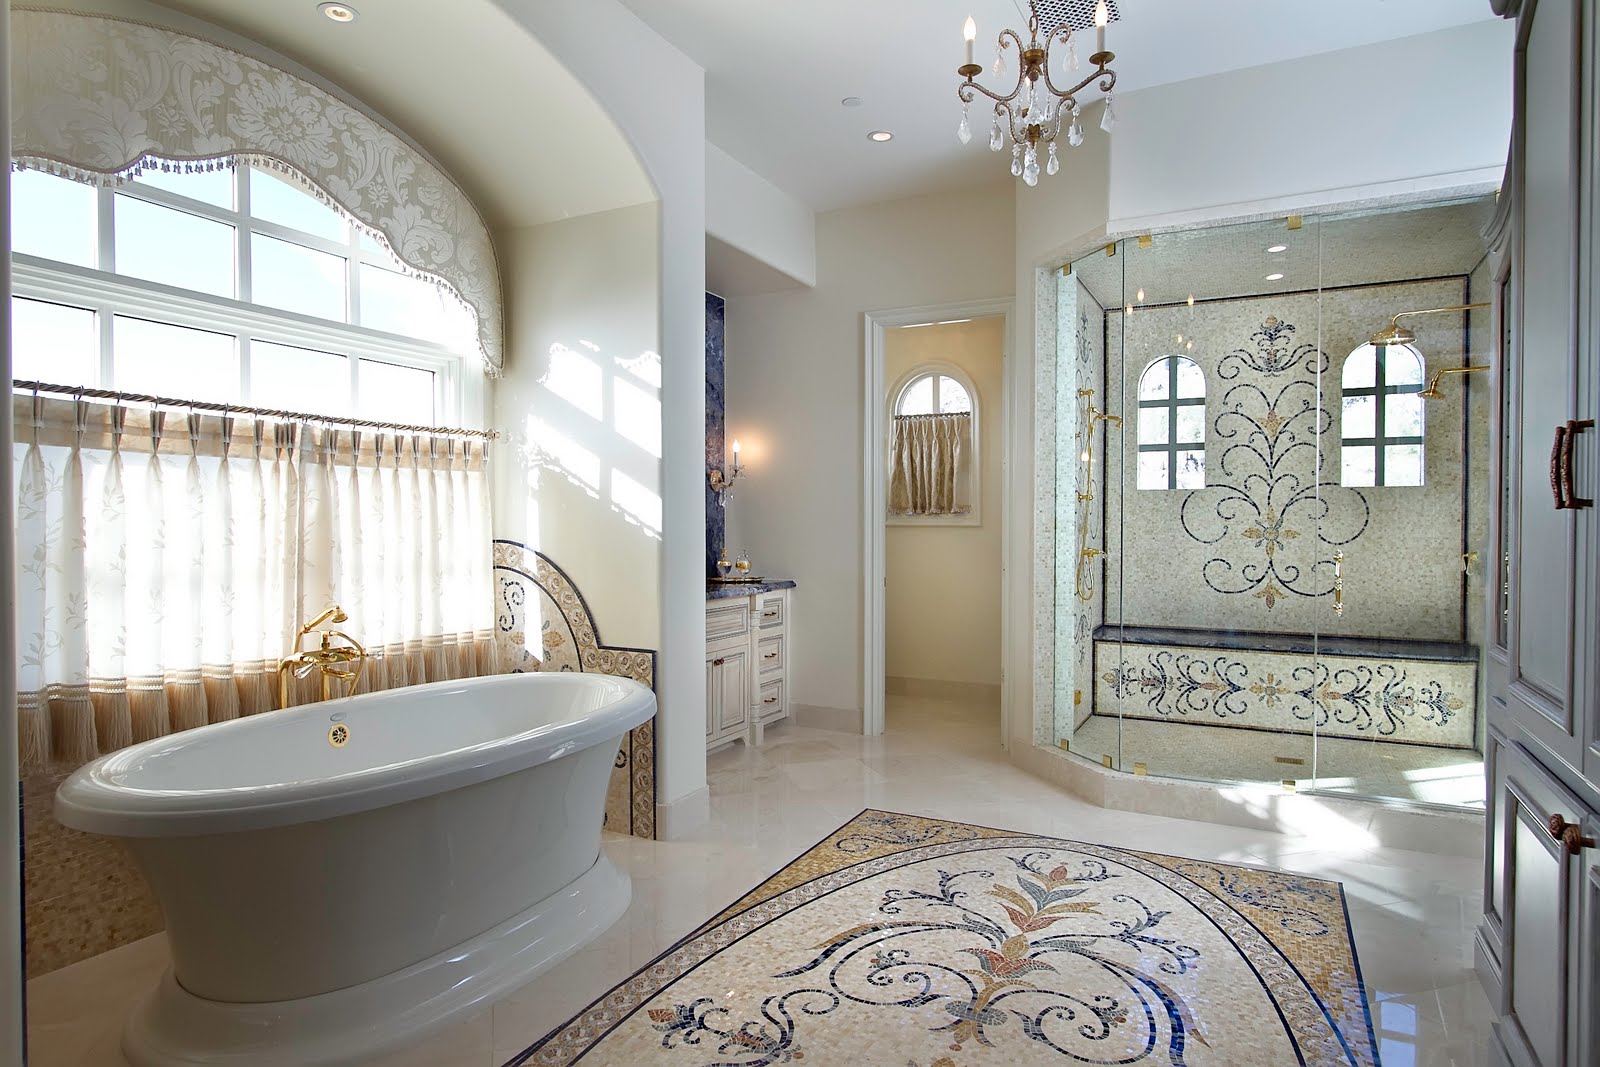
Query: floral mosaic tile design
[
  {"x": 533, "y": 596},
  {"x": 904, "y": 940},
  {"x": 1418, "y": 701}
]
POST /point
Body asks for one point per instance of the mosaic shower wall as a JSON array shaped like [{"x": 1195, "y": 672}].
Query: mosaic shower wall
[
  {"x": 1254, "y": 549},
  {"x": 1080, "y": 579},
  {"x": 716, "y": 418}
]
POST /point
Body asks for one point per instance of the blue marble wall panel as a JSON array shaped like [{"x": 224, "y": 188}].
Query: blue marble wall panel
[{"x": 716, "y": 518}]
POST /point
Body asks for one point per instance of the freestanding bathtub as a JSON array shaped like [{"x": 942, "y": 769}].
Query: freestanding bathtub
[{"x": 340, "y": 877}]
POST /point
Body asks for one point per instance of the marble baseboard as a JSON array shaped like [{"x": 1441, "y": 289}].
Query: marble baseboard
[
  {"x": 683, "y": 816},
  {"x": 82, "y": 894},
  {"x": 817, "y": 717},
  {"x": 1404, "y": 701}
]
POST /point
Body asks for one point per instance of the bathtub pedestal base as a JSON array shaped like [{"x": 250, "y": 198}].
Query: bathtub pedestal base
[{"x": 172, "y": 1026}]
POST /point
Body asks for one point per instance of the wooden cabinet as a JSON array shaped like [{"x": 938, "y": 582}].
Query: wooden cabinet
[
  {"x": 747, "y": 665},
  {"x": 1538, "y": 948}
]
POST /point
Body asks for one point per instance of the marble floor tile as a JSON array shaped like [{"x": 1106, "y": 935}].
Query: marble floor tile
[{"x": 1412, "y": 914}]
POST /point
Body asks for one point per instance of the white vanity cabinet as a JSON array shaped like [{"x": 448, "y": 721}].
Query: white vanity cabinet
[
  {"x": 1538, "y": 947},
  {"x": 747, "y": 665}
]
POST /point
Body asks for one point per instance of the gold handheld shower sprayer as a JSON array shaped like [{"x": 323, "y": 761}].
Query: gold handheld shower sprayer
[{"x": 1083, "y": 585}]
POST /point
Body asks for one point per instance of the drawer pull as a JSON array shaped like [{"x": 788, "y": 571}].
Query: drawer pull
[
  {"x": 718, "y": 662},
  {"x": 1568, "y": 835},
  {"x": 774, "y": 700},
  {"x": 770, "y": 655},
  {"x": 769, "y": 614},
  {"x": 1566, "y": 438}
]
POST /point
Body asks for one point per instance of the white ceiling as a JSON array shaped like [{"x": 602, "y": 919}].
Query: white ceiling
[
  {"x": 468, "y": 84},
  {"x": 776, "y": 72}
]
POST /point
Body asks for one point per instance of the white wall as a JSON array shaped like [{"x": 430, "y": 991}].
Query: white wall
[
  {"x": 1414, "y": 115},
  {"x": 794, "y": 389},
  {"x": 943, "y": 581},
  {"x": 660, "y": 108},
  {"x": 578, "y": 476},
  {"x": 749, "y": 213}
]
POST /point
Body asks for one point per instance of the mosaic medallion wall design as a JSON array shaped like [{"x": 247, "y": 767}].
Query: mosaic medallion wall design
[
  {"x": 543, "y": 624},
  {"x": 904, "y": 940}
]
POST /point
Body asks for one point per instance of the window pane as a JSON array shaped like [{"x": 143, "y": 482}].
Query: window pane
[
  {"x": 296, "y": 278},
  {"x": 52, "y": 342},
  {"x": 162, "y": 244},
  {"x": 1192, "y": 469},
  {"x": 918, "y": 398},
  {"x": 53, "y": 218},
  {"x": 1191, "y": 424},
  {"x": 299, "y": 379},
  {"x": 1360, "y": 418},
  {"x": 1402, "y": 465},
  {"x": 1357, "y": 465},
  {"x": 277, "y": 200},
  {"x": 1402, "y": 415},
  {"x": 953, "y": 397},
  {"x": 1153, "y": 425},
  {"x": 1154, "y": 384},
  {"x": 414, "y": 307},
  {"x": 392, "y": 393},
  {"x": 208, "y": 186},
  {"x": 1153, "y": 470},
  {"x": 175, "y": 361},
  {"x": 1191, "y": 382},
  {"x": 1402, "y": 366},
  {"x": 1360, "y": 370}
]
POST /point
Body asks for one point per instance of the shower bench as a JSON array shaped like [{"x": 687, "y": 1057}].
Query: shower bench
[{"x": 1383, "y": 689}]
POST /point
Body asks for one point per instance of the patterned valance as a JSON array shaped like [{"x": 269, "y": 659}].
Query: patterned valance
[{"x": 100, "y": 99}]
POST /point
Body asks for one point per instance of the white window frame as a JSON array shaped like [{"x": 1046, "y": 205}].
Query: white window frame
[
  {"x": 1171, "y": 405},
  {"x": 459, "y": 390},
  {"x": 974, "y": 516},
  {"x": 1380, "y": 390}
]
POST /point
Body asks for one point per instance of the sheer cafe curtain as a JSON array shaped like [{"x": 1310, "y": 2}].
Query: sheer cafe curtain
[
  {"x": 928, "y": 457},
  {"x": 166, "y": 560}
]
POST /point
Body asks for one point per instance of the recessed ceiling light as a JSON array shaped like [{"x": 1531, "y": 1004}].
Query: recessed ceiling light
[
  {"x": 851, "y": 101},
  {"x": 1274, "y": 277},
  {"x": 1278, "y": 248},
  {"x": 880, "y": 136},
  {"x": 338, "y": 12}
]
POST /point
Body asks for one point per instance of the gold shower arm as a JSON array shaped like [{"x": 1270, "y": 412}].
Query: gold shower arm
[
  {"x": 1432, "y": 391},
  {"x": 1397, "y": 334}
]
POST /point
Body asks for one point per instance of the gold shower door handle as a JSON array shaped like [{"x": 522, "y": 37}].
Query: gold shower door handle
[{"x": 1338, "y": 584}]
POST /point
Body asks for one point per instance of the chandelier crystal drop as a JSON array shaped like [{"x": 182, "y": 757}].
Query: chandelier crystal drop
[{"x": 1031, "y": 114}]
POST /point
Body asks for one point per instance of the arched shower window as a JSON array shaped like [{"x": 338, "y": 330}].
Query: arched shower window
[
  {"x": 1382, "y": 420},
  {"x": 1172, "y": 425}
]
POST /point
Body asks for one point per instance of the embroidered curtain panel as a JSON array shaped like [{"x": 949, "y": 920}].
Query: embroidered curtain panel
[
  {"x": 99, "y": 99},
  {"x": 167, "y": 559},
  {"x": 928, "y": 459}
]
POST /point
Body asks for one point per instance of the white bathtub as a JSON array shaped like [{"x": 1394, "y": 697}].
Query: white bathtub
[{"x": 326, "y": 903}]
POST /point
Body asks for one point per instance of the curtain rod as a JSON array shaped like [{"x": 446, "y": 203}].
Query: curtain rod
[{"x": 80, "y": 392}]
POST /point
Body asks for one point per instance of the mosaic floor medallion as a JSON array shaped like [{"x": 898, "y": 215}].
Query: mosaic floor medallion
[{"x": 908, "y": 942}]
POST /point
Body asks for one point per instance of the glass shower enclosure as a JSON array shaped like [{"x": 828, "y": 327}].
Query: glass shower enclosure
[{"x": 1271, "y": 464}]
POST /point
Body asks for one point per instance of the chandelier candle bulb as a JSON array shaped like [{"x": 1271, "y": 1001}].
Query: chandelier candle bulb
[
  {"x": 1101, "y": 17},
  {"x": 970, "y": 33}
]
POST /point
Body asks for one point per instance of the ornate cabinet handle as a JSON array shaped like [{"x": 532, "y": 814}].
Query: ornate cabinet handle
[
  {"x": 1557, "y": 450},
  {"x": 769, "y": 614},
  {"x": 1566, "y": 498},
  {"x": 1568, "y": 835},
  {"x": 770, "y": 655},
  {"x": 718, "y": 662},
  {"x": 774, "y": 700},
  {"x": 1338, "y": 584}
]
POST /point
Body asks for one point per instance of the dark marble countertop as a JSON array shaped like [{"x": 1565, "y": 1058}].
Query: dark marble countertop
[{"x": 725, "y": 590}]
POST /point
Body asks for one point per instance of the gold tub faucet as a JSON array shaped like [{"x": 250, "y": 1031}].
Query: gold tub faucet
[{"x": 329, "y": 660}]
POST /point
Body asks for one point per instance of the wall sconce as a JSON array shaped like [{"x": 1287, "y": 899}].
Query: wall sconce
[{"x": 722, "y": 484}]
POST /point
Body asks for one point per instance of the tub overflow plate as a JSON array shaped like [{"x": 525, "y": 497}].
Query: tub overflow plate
[{"x": 338, "y": 735}]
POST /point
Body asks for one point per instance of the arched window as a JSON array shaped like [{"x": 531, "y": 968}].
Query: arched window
[
  {"x": 1381, "y": 421},
  {"x": 233, "y": 286},
  {"x": 933, "y": 456},
  {"x": 1172, "y": 425}
]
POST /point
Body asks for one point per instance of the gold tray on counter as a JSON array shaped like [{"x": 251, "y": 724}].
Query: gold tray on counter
[{"x": 747, "y": 579}]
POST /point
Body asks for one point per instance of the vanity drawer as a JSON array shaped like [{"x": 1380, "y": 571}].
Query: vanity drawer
[
  {"x": 770, "y": 703},
  {"x": 771, "y": 609},
  {"x": 727, "y": 618},
  {"x": 769, "y": 653}
]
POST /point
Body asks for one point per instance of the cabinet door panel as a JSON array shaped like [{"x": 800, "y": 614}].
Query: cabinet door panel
[
  {"x": 1542, "y": 626},
  {"x": 1588, "y": 959},
  {"x": 713, "y": 698},
  {"x": 734, "y": 691}
]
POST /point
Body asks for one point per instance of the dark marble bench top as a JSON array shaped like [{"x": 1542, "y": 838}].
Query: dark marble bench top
[
  {"x": 1305, "y": 644},
  {"x": 724, "y": 590}
]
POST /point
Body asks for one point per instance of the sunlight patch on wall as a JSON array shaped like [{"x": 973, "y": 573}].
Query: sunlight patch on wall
[
  {"x": 637, "y": 416},
  {"x": 637, "y": 503},
  {"x": 550, "y": 449},
  {"x": 576, "y": 379}
]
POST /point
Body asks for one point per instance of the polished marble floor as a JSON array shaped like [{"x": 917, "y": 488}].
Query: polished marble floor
[{"x": 1413, "y": 914}]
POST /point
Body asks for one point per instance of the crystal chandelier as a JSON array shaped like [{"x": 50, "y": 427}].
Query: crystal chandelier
[{"x": 1030, "y": 116}]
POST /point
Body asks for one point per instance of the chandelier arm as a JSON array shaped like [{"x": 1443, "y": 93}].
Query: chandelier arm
[
  {"x": 1109, "y": 78},
  {"x": 965, "y": 90},
  {"x": 1109, "y": 81}
]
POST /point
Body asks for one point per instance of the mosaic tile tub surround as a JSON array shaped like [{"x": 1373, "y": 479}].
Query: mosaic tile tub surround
[
  {"x": 904, "y": 940},
  {"x": 1373, "y": 697}
]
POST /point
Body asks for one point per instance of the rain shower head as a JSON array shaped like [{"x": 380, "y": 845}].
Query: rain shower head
[{"x": 1397, "y": 335}]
